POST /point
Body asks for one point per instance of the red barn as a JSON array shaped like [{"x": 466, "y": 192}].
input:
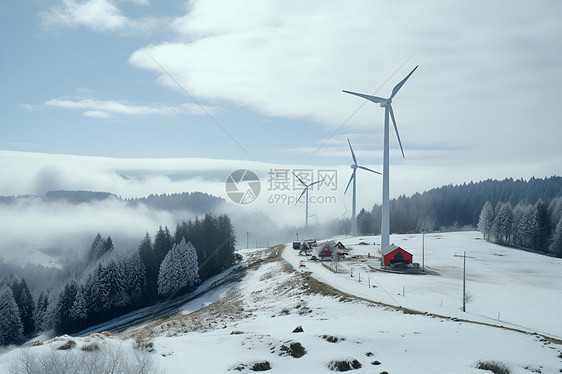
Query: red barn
[{"x": 394, "y": 255}]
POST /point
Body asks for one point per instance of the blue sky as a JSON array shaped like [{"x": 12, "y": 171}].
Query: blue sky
[{"x": 81, "y": 78}]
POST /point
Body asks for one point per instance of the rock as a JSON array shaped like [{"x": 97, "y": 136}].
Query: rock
[{"x": 298, "y": 329}]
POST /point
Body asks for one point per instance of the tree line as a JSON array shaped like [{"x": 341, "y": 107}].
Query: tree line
[
  {"x": 197, "y": 202},
  {"x": 535, "y": 226},
  {"x": 106, "y": 283},
  {"x": 455, "y": 207}
]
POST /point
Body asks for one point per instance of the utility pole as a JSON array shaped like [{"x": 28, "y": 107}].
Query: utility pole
[
  {"x": 247, "y": 236},
  {"x": 463, "y": 280},
  {"x": 423, "y": 250}
]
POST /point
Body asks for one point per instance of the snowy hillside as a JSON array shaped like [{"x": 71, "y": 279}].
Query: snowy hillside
[
  {"x": 251, "y": 325},
  {"x": 517, "y": 285}
]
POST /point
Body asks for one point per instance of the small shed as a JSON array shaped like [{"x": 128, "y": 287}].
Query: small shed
[{"x": 394, "y": 255}]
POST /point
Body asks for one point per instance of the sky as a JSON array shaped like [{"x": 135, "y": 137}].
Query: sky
[{"x": 137, "y": 96}]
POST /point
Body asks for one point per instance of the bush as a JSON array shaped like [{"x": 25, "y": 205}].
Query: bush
[
  {"x": 493, "y": 366},
  {"x": 108, "y": 359}
]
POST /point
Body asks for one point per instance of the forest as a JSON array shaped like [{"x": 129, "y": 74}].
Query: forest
[
  {"x": 105, "y": 282},
  {"x": 457, "y": 207},
  {"x": 533, "y": 226}
]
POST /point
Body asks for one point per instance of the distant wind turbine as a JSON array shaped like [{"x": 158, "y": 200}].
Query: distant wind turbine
[
  {"x": 353, "y": 178},
  {"x": 386, "y": 104},
  {"x": 306, "y": 186}
]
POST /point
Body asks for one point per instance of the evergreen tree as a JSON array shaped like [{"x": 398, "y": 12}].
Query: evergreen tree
[
  {"x": 79, "y": 309},
  {"x": 11, "y": 327},
  {"x": 40, "y": 315},
  {"x": 135, "y": 278},
  {"x": 179, "y": 270},
  {"x": 556, "y": 242},
  {"x": 24, "y": 301},
  {"x": 151, "y": 266},
  {"x": 542, "y": 234},
  {"x": 96, "y": 249},
  {"x": 503, "y": 221},
  {"x": 64, "y": 323},
  {"x": 486, "y": 220},
  {"x": 364, "y": 222}
]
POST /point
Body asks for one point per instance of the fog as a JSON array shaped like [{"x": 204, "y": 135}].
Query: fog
[{"x": 52, "y": 233}]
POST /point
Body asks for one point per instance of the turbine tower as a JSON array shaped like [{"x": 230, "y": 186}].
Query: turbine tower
[
  {"x": 306, "y": 186},
  {"x": 353, "y": 177},
  {"x": 386, "y": 104}
]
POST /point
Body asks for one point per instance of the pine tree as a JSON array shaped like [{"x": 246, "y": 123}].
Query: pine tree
[
  {"x": 79, "y": 309},
  {"x": 543, "y": 231},
  {"x": 64, "y": 323},
  {"x": 556, "y": 242},
  {"x": 135, "y": 277},
  {"x": 486, "y": 220},
  {"x": 503, "y": 221},
  {"x": 96, "y": 249},
  {"x": 179, "y": 269},
  {"x": 151, "y": 267},
  {"x": 11, "y": 327}
]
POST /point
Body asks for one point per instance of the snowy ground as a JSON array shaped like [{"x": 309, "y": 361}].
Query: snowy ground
[
  {"x": 523, "y": 289},
  {"x": 251, "y": 321}
]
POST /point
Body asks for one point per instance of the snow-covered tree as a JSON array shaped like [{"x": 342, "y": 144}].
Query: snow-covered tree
[
  {"x": 503, "y": 221},
  {"x": 113, "y": 290},
  {"x": 179, "y": 269},
  {"x": 11, "y": 327},
  {"x": 486, "y": 220},
  {"x": 556, "y": 242},
  {"x": 79, "y": 309},
  {"x": 135, "y": 277}
]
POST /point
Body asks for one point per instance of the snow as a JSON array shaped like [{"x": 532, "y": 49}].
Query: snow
[
  {"x": 524, "y": 288},
  {"x": 249, "y": 321}
]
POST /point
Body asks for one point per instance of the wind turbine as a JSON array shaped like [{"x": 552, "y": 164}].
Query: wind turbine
[
  {"x": 386, "y": 104},
  {"x": 306, "y": 186},
  {"x": 353, "y": 177}
]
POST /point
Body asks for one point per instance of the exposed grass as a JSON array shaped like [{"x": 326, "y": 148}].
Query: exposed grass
[
  {"x": 66, "y": 346},
  {"x": 90, "y": 347}
]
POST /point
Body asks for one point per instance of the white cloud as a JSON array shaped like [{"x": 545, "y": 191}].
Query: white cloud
[
  {"x": 109, "y": 108},
  {"x": 98, "y": 15},
  {"x": 485, "y": 68}
]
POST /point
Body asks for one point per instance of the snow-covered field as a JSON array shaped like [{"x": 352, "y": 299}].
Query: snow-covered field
[
  {"x": 253, "y": 321},
  {"x": 523, "y": 289}
]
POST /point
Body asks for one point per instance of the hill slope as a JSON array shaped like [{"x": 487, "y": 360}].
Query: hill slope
[{"x": 251, "y": 327}]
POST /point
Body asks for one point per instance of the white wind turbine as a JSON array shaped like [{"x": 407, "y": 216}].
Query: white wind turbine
[
  {"x": 386, "y": 104},
  {"x": 353, "y": 177},
  {"x": 306, "y": 186}
]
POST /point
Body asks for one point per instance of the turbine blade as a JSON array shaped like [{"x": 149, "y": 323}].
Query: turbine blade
[
  {"x": 313, "y": 183},
  {"x": 299, "y": 199},
  {"x": 352, "y": 154},
  {"x": 371, "y": 170},
  {"x": 396, "y": 129},
  {"x": 300, "y": 180},
  {"x": 399, "y": 85},
  {"x": 374, "y": 99},
  {"x": 350, "y": 179}
]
